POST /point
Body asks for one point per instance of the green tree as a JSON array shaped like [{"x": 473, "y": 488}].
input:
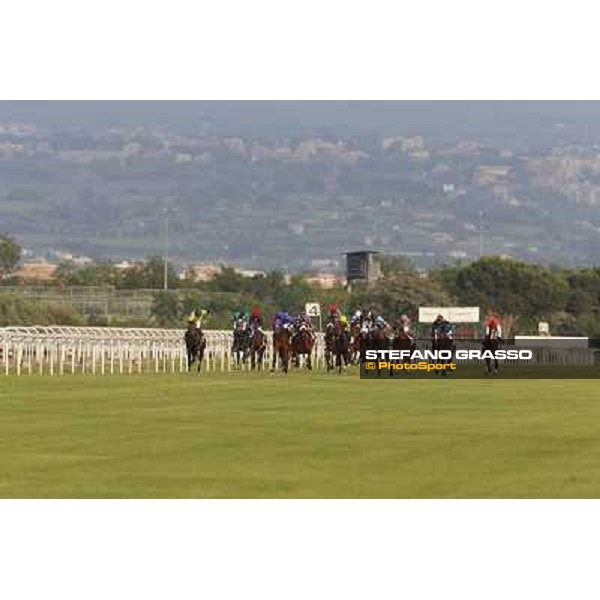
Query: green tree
[
  {"x": 403, "y": 292},
  {"x": 166, "y": 308},
  {"x": 149, "y": 274},
  {"x": 10, "y": 254},
  {"x": 395, "y": 264},
  {"x": 96, "y": 274},
  {"x": 584, "y": 294},
  {"x": 509, "y": 287}
]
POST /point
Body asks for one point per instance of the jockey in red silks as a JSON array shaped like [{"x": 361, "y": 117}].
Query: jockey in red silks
[
  {"x": 493, "y": 328},
  {"x": 255, "y": 319},
  {"x": 334, "y": 312}
]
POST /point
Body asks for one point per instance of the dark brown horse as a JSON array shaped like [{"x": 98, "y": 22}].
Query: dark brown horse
[
  {"x": 379, "y": 340},
  {"x": 281, "y": 348},
  {"x": 195, "y": 344},
  {"x": 329, "y": 345},
  {"x": 256, "y": 349},
  {"x": 241, "y": 342},
  {"x": 342, "y": 348},
  {"x": 302, "y": 344},
  {"x": 402, "y": 340},
  {"x": 337, "y": 347},
  {"x": 491, "y": 343},
  {"x": 443, "y": 341}
]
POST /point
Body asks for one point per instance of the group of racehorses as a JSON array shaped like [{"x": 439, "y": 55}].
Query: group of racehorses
[
  {"x": 344, "y": 345},
  {"x": 251, "y": 343}
]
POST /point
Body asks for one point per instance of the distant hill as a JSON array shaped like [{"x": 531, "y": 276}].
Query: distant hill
[{"x": 293, "y": 184}]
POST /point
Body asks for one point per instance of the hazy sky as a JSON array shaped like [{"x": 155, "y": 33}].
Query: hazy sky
[{"x": 341, "y": 117}]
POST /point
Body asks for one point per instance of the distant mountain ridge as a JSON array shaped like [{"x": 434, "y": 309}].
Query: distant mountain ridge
[{"x": 293, "y": 184}]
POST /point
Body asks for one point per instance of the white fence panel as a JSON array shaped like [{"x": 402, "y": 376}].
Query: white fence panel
[{"x": 58, "y": 350}]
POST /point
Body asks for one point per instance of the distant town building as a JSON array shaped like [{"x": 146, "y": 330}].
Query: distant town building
[
  {"x": 123, "y": 265},
  {"x": 326, "y": 280},
  {"x": 250, "y": 273},
  {"x": 36, "y": 271},
  {"x": 201, "y": 272},
  {"x": 491, "y": 175},
  {"x": 208, "y": 271}
]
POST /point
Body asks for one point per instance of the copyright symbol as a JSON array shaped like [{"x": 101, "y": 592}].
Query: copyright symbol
[{"x": 370, "y": 365}]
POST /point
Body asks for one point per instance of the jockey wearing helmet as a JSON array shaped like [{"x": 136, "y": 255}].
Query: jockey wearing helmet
[
  {"x": 256, "y": 317},
  {"x": 405, "y": 325},
  {"x": 256, "y": 320},
  {"x": 441, "y": 328},
  {"x": 198, "y": 316},
  {"x": 380, "y": 323},
  {"x": 493, "y": 328},
  {"x": 334, "y": 315},
  {"x": 240, "y": 321},
  {"x": 334, "y": 311},
  {"x": 357, "y": 317},
  {"x": 282, "y": 319},
  {"x": 344, "y": 322},
  {"x": 303, "y": 321}
]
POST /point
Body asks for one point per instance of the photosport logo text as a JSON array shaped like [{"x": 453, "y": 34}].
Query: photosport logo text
[
  {"x": 478, "y": 358},
  {"x": 435, "y": 360}
]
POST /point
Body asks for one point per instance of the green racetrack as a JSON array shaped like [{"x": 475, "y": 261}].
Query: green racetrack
[{"x": 243, "y": 435}]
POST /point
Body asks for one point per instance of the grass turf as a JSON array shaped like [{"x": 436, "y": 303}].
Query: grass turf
[{"x": 305, "y": 435}]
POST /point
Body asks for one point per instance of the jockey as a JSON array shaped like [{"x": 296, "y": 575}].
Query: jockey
[
  {"x": 357, "y": 317},
  {"x": 441, "y": 327},
  {"x": 334, "y": 314},
  {"x": 405, "y": 325},
  {"x": 283, "y": 319},
  {"x": 240, "y": 320},
  {"x": 381, "y": 323},
  {"x": 344, "y": 322},
  {"x": 303, "y": 320},
  {"x": 435, "y": 326},
  {"x": 198, "y": 316},
  {"x": 493, "y": 328},
  {"x": 256, "y": 318}
]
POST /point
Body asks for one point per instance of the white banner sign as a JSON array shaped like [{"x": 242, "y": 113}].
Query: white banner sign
[
  {"x": 454, "y": 314},
  {"x": 313, "y": 309}
]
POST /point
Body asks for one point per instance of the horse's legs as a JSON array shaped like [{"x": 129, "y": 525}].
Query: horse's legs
[
  {"x": 274, "y": 360},
  {"x": 339, "y": 357},
  {"x": 309, "y": 361},
  {"x": 191, "y": 359}
]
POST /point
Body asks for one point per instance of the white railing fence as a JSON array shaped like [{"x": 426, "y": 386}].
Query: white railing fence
[{"x": 59, "y": 350}]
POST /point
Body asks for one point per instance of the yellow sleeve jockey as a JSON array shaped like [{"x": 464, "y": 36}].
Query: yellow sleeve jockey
[{"x": 198, "y": 317}]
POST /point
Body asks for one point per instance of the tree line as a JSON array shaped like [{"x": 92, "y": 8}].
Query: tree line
[{"x": 520, "y": 292}]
